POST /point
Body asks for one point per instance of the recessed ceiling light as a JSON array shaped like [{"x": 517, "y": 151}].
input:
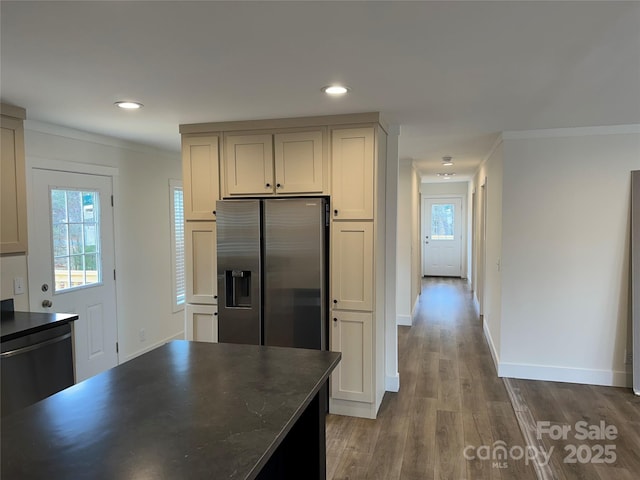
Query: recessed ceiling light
[
  {"x": 446, "y": 175},
  {"x": 129, "y": 105},
  {"x": 335, "y": 90}
]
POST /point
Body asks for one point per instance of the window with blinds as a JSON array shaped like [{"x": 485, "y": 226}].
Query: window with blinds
[{"x": 177, "y": 243}]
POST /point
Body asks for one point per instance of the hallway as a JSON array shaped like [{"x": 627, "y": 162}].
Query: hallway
[{"x": 450, "y": 398}]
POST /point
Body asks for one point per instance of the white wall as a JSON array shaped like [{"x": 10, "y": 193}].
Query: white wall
[
  {"x": 488, "y": 280},
  {"x": 565, "y": 254},
  {"x": 142, "y": 228},
  {"x": 404, "y": 300},
  {"x": 416, "y": 253},
  {"x": 13, "y": 266},
  {"x": 392, "y": 377},
  {"x": 444, "y": 188}
]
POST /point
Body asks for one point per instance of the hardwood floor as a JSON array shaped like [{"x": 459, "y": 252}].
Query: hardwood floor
[
  {"x": 450, "y": 402},
  {"x": 575, "y": 457}
]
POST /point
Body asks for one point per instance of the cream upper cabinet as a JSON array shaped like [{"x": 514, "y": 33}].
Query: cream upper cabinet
[
  {"x": 201, "y": 323},
  {"x": 352, "y": 266},
  {"x": 201, "y": 267},
  {"x": 274, "y": 164},
  {"x": 13, "y": 234},
  {"x": 352, "y": 335},
  {"x": 352, "y": 162},
  {"x": 248, "y": 164},
  {"x": 200, "y": 176},
  {"x": 299, "y": 162}
]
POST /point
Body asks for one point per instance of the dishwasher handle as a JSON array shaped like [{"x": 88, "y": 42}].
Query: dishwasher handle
[{"x": 35, "y": 346}]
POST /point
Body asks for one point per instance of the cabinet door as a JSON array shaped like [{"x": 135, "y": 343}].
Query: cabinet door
[
  {"x": 352, "y": 161},
  {"x": 200, "y": 262},
  {"x": 352, "y": 266},
  {"x": 299, "y": 162},
  {"x": 201, "y": 323},
  {"x": 200, "y": 177},
  {"x": 351, "y": 334},
  {"x": 13, "y": 201},
  {"x": 248, "y": 164}
]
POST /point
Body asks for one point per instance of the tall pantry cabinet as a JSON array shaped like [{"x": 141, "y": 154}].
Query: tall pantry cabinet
[
  {"x": 201, "y": 189},
  {"x": 342, "y": 157}
]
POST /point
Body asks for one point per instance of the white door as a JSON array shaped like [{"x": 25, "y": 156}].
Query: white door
[
  {"x": 72, "y": 262},
  {"x": 442, "y": 237}
]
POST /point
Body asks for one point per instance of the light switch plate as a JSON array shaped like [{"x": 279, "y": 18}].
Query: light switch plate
[{"x": 18, "y": 285}]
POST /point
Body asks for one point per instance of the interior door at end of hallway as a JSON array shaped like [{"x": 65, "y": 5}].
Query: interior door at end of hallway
[
  {"x": 442, "y": 237},
  {"x": 72, "y": 262}
]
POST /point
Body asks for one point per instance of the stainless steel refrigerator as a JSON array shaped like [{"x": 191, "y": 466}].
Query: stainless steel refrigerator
[{"x": 272, "y": 272}]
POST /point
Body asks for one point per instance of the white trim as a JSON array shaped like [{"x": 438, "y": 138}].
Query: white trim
[
  {"x": 44, "y": 163},
  {"x": 554, "y": 373},
  {"x": 415, "y": 306},
  {"x": 72, "y": 133},
  {"x": 492, "y": 347},
  {"x": 476, "y": 304},
  {"x": 404, "y": 320},
  {"x": 131, "y": 356},
  {"x": 392, "y": 383},
  {"x": 571, "y": 132},
  {"x": 492, "y": 150}
]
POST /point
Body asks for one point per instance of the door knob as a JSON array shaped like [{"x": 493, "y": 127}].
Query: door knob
[{"x": 47, "y": 303}]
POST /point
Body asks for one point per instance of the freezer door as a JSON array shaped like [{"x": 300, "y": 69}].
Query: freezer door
[
  {"x": 239, "y": 290},
  {"x": 295, "y": 273}
]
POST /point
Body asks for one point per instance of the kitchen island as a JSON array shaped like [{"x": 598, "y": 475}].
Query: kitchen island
[{"x": 184, "y": 410}]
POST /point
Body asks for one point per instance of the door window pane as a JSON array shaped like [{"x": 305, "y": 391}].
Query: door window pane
[
  {"x": 75, "y": 219},
  {"x": 442, "y": 216}
]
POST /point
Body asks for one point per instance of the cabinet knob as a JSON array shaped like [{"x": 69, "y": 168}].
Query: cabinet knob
[
  {"x": 215, "y": 296},
  {"x": 335, "y": 301},
  {"x": 335, "y": 319},
  {"x": 335, "y": 212},
  {"x": 268, "y": 185},
  {"x": 214, "y": 212},
  {"x": 278, "y": 185},
  {"x": 215, "y": 314}
]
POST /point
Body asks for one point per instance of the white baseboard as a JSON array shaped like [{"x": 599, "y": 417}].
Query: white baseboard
[
  {"x": 403, "y": 320},
  {"x": 492, "y": 347},
  {"x": 392, "y": 383},
  {"x": 476, "y": 305},
  {"x": 177, "y": 336},
  {"x": 609, "y": 378}
]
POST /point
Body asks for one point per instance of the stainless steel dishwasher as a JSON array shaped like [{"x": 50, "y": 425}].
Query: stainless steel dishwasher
[{"x": 35, "y": 366}]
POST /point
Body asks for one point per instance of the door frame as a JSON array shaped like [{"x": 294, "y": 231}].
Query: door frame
[
  {"x": 463, "y": 228},
  {"x": 42, "y": 163}
]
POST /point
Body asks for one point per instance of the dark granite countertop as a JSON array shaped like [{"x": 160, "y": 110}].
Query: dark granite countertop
[
  {"x": 18, "y": 324},
  {"x": 184, "y": 410}
]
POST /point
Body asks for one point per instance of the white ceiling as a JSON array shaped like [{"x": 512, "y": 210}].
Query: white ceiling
[{"x": 450, "y": 74}]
